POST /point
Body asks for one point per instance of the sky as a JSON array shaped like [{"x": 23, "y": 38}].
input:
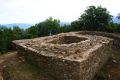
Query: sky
[{"x": 34, "y": 11}]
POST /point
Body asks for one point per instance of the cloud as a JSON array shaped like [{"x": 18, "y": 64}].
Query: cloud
[{"x": 32, "y": 11}]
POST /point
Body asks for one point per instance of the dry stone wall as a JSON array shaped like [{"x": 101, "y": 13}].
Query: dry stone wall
[
  {"x": 115, "y": 37},
  {"x": 69, "y": 56}
]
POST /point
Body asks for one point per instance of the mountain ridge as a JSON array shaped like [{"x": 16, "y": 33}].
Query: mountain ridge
[{"x": 27, "y": 25}]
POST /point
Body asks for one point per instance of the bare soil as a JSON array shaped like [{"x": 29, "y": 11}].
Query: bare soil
[
  {"x": 111, "y": 70},
  {"x": 14, "y": 67},
  {"x": 19, "y": 70},
  {"x": 5, "y": 59}
]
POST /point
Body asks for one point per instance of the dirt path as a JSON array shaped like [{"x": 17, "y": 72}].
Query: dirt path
[{"x": 4, "y": 59}]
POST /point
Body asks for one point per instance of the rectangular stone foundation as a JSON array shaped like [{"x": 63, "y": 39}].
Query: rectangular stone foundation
[{"x": 67, "y": 56}]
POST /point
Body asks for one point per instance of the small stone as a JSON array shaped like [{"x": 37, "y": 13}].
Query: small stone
[
  {"x": 114, "y": 61},
  {"x": 63, "y": 53}
]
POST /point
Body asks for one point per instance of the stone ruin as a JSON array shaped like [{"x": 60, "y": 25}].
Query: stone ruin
[{"x": 69, "y": 56}]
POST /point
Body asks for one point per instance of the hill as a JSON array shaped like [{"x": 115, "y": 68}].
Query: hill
[
  {"x": 21, "y": 25},
  {"x": 116, "y": 20}
]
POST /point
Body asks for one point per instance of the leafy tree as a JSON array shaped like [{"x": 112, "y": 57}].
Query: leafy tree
[
  {"x": 76, "y": 26},
  {"x": 117, "y": 28},
  {"x": 31, "y": 32},
  {"x": 111, "y": 27},
  {"x": 6, "y": 36},
  {"x": 95, "y": 18},
  {"x": 47, "y": 27},
  {"x": 64, "y": 28},
  {"x": 18, "y": 32}
]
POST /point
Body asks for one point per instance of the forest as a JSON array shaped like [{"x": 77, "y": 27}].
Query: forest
[{"x": 93, "y": 19}]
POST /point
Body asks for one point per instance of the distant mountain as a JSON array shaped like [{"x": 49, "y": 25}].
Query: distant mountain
[
  {"x": 25, "y": 26},
  {"x": 1, "y": 25},
  {"x": 21, "y": 25},
  {"x": 116, "y": 20},
  {"x": 64, "y": 23}
]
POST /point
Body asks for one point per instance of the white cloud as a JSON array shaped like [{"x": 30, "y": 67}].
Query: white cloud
[{"x": 32, "y": 11}]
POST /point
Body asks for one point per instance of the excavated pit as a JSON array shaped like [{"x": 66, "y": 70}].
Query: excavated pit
[
  {"x": 67, "y": 56},
  {"x": 67, "y": 40}
]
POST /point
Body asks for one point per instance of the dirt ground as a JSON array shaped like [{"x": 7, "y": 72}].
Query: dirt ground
[
  {"x": 111, "y": 70},
  {"x": 6, "y": 58},
  {"x": 20, "y": 70},
  {"x": 12, "y": 67}
]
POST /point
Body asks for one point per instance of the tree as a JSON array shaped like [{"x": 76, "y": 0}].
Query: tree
[
  {"x": 47, "y": 27},
  {"x": 65, "y": 28},
  {"x": 6, "y": 36},
  {"x": 31, "y": 32},
  {"x": 76, "y": 26},
  {"x": 18, "y": 32},
  {"x": 95, "y": 18}
]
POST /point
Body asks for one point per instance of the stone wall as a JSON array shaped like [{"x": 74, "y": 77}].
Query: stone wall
[
  {"x": 96, "y": 60},
  {"x": 67, "y": 68},
  {"x": 59, "y": 69},
  {"x": 116, "y": 37}
]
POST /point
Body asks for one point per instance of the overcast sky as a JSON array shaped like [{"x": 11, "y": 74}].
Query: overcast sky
[{"x": 33, "y": 11}]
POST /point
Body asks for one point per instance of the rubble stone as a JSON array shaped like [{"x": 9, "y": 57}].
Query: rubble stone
[{"x": 69, "y": 56}]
